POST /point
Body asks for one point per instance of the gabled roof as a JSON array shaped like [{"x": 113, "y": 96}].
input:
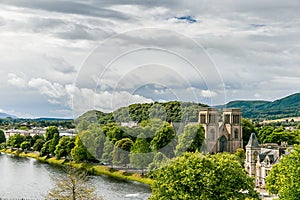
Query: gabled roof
[{"x": 253, "y": 141}]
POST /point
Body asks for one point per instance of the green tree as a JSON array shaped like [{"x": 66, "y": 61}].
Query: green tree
[
  {"x": 107, "y": 151},
  {"x": 45, "y": 149},
  {"x": 38, "y": 145},
  {"x": 25, "y": 145},
  {"x": 113, "y": 132},
  {"x": 140, "y": 153},
  {"x": 162, "y": 137},
  {"x": 83, "y": 125},
  {"x": 50, "y": 131},
  {"x": 121, "y": 151},
  {"x": 159, "y": 161},
  {"x": 264, "y": 132},
  {"x": 248, "y": 128},
  {"x": 62, "y": 148},
  {"x": 35, "y": 138},
  {"x": 16, "y": 140},
  {"x": 283, "y": 178},
  {"x": 2, "y": 137},
  {"x": 198, "y": 176},
  {"x": 54, "y": 142},
  {"x": 191, "y": 140},
  {"x": 73, "y": 186},
  {"x": 241, "y": 155},
  {"x": 79, "y": 153}
]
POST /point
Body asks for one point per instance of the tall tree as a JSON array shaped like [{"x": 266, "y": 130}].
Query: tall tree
[
  {"x": 54, "y": 142},
  {"x": 50, "y": 131},
  {"x": 2, "y": 137},
  {"x": 107, "y": 151},
  {"x": 198, "y": 176},
  {"x": 284, "y": 177},
  {"x": 248, "y": 128},
  {"x": 140, "y": 153},
  {"x": 162, "y": 138},
  {"x": 121, "y": 151},
  {"x": 191, "y": 140},
  {"x": 79, "y": 153}
]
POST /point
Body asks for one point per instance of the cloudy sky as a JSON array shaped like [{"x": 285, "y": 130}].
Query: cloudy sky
[{"x": 61, "y": 58}]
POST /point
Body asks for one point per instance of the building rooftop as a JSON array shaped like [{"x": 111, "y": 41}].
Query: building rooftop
[{"x": 253, "y": 141}]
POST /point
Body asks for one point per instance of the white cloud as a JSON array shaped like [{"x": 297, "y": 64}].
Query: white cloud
[
  {"x": 43, "y": 45},
  {"x": 208, "y": 93},
  {"x": 15, "y": 80}
]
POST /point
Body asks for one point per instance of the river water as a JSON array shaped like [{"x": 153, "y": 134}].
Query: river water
[{"x": 28, "y": 178}]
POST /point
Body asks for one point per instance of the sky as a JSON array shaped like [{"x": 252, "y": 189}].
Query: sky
[{"x": 62, "y": 58}]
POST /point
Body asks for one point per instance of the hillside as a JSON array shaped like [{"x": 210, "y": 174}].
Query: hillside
[
  {"x": 286, "y": 107},
  {"x": 173, "y": 111},
  {"x": 5, "y": 115}
]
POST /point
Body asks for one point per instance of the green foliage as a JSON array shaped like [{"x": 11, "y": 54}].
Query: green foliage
[
  {"x": 93, "y": 138},
  {"x": 159, "y": 161},
  {"x": 173, "y": 111},
  {"x": 45, "y": 149},
  {"x": 121, "y": 151},
  {"x": 2, "y": 137},
  {"x": 284, "y": 177},
  {"x": 140, "y": 153},
  {"x": 191, "y": 140},
  {"x": 281, "y": 108},
  {"x": 35, "y": 138},
  {"x": 54, "y": 142},
  {"x": 79, "y": 153},
  {"x": 38, "y": 145},
  {"x": 50, "y": 131},
  {"x": 241, "y": 155},
  {"x": 113, "y": 131},
  {"x": 64, "y": 147},
  {"x": 248, "y": 128},
  {"x": 107, "y": 151},
  {"x": 83, "y": 125},
  {"x": 271, "y": 134},
  {"x": 195, "y": 176},
  {"x": 25, "y": 145},
  {"x": 15, "y": 140},
  {"x": 162, "y": 138}
]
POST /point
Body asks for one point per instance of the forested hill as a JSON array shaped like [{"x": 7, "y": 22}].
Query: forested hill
[
  {"x": 173, "y": 111},
  {"x": 286, "y": 107}
]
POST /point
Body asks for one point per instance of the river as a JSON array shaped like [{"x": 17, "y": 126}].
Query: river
[{"x": 28, "y": 178}]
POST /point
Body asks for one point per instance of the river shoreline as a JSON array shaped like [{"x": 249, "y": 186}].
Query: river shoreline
[{"x": 94, "y": 169}]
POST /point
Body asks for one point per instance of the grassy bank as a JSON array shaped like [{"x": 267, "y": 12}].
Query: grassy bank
[{"x": 92, "y": 168}]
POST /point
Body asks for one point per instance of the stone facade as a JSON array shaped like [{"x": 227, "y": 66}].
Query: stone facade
[
  {"x": 225, "y": 135},
  {"x": 261, "y": 158}
]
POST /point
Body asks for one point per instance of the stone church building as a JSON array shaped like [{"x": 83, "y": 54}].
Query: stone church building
[{"x": 222, "y": 135}]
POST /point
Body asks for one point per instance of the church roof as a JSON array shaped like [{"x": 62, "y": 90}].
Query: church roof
[{"x": 253, "y": 141}]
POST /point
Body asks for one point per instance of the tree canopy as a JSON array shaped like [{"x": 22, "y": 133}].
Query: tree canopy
[
  {"x": 198, "y": 176},
  {"x": 191, "y": 140},
  {"x": 2, "y": 137},
  {"x": 284, "y": 177}
]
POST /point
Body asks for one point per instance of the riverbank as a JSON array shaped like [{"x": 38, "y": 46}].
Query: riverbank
[{"x": 92, "y": 168}]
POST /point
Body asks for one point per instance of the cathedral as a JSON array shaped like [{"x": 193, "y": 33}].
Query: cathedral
[{"x": 223, "y": 135}]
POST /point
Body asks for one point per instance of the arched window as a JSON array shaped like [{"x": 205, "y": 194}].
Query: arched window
[{"x": 236, "y": 134}]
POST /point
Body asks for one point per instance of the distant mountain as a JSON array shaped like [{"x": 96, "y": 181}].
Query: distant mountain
[
  {"x": 5, "y": 115},
  {"x": 286, "y": 107}
]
